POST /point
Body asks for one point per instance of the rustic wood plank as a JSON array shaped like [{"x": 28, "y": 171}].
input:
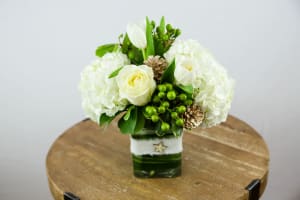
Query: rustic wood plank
[{"x": 218, "y": 163}]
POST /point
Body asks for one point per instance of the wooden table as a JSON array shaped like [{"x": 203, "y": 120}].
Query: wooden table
[{"x": 218, "y": 164}]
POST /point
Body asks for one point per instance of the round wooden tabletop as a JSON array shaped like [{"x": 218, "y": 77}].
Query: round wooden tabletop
[{"x": 218, "y": 163}]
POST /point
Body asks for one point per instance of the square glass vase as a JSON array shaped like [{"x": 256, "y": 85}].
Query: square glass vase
[{"x": 156, "y": 156}]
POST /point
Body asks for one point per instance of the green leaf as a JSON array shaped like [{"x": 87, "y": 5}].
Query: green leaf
[
  {"x": 105, "y": 119},
  {"x": 177, "y": 131},
  {"x": 168, "y": 75},
  {"x": 158, "y": 130},
  {"x": 188, "y": 89},
  {"x": 107, "y": 48},
  {"x": 140, "y": 120},
  {"x": 125, "y": 45},
  {"x": 128, "y": 126},
  {"x": 150, "y": 44},
  {"x": 127, "y": 115},
  {"x": 162, "y": 25},
  {"x": 115, "y": 73}
]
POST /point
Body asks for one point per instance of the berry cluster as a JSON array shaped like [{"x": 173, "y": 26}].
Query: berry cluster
[
  {"x": 168, "y": 105},
  {"x": 164, "y": 37}
]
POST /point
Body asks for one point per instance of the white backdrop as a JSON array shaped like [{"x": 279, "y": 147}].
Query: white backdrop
[{"x": 44, "y": 45}]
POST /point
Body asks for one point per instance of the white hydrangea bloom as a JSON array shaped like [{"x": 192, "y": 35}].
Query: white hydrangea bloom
[
  {"x": 100, "y": 94},
  {"x": 213, "y": 88}
]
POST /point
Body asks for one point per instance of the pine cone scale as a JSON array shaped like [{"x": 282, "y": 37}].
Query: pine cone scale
[{"x": 158, "y": 66}]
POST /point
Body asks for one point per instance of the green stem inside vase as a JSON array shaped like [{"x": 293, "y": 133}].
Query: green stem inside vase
[{"x": 157, "y": 166}]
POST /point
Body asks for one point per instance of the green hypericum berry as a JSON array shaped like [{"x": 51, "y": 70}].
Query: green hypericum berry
[
  {"x": 181, "y": 109},
  {"x": 161, "y": 109},
  {"x": 171, "y": 95},
  {"x": 161, "y": 94},
  {"x": 154, "y": 118},
  {"x": 179, "y": 122},
  {"x": 165, "y": 126},
  {"x": 182, "y": 97},
  {"x": 162, "y": 88},
  {"x": 177, "y": 32},
  {"x": 156, "y": 99},
  {"x": 174, "y": 115},
  {"x": 150, "y": 110},
  {"x": 169, "y": 86},
  {"x": 188, "y": 102},
  {"x": 169, "y": 27},
  {"x": 165, "y": 104}
]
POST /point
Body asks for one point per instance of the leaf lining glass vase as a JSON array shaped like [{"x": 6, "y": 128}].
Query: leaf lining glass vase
[{"x": 156, "y": 156}]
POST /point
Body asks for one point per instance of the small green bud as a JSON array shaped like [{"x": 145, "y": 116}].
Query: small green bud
[
  {"x": 153, "y": 23},
  {"x": 169, "y": 27},
  {"x": 162, "y": 88},
  {"x": 156, "y": 99},
  {"x": 177, "y": 32},
  {"x": 165, "y": 126},
  {"x": 154, "y": 118},
  {"x": 179, "y": 122},
  {"x": 165, "y": 104},
  {"x": 188, "y": 102},
  {"x": 161, "y": 109},
  {"x": 165, "y": 37},
  {"x": 181, "y": 109},
  {"x": 131, "y": 55},
  {"x": 174, "y": 115},
  {"x": 171, "y": 95},
  {"x": 157, "y": 30},
  {"x": 161, "y": 94},
  {"x": 182, "y": 97}
]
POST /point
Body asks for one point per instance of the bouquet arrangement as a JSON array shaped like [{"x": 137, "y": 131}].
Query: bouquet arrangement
[{"x": 155, "y": 80}]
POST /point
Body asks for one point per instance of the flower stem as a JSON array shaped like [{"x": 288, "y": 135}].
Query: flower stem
[{"x": 144, "y": 54}]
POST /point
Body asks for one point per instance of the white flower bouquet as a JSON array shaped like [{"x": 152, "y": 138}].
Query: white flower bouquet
[{"x": 156, "y": 81}]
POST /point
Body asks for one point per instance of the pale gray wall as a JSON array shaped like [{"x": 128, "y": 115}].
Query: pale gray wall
[{"x": 45, "y": 44}]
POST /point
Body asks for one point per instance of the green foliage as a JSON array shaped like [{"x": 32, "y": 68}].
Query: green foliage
[
  {"x": 164, "y": 37},
  {"x": 105, "y": 119},
  {"x": 133, "y": 123},
  {"x": 165, "y": 112},
  {"x": 158, "y": 130},
  {"x": 150, "y": 44},
  {"x": 187, "y": 89},
  {"x": 162, "y": 26},
  {"x": 107, "y": 48},
  {"x": 140, "y": 124},
  {"x": 176, "y": 130},
  {"x": 115, "y": 73},
  {"x": 159, "y": 40},
  {"x": 168, "y": 75},
  {"x": 134, "y": 54},
  {"x": 127, "y": 115}
]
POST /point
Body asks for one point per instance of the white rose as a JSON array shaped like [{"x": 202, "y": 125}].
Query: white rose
[
  {"x": 136, "y": 84},
  {"x": 137, "y": 34}
]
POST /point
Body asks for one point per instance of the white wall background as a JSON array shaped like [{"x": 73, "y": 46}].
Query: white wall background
[{"x": 44, "y": 45}]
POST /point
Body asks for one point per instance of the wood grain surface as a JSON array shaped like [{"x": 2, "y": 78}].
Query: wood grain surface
[{"x": 218, "y": 163}]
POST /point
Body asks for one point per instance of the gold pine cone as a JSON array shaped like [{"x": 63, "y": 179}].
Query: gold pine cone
[
  {"x": 193, "y": 117},
  {"x": 158, "y": 65}
]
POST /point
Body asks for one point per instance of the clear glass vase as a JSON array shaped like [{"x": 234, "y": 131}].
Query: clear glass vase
[{"x": 156, "y": 156}]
